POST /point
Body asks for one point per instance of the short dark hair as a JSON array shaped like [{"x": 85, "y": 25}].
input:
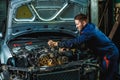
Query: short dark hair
[{"x": 81, "y": 17}]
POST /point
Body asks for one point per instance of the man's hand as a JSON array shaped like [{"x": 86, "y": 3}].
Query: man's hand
[{"x": 52, "y": 43}]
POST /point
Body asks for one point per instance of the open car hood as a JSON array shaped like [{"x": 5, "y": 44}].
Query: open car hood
[{"x": 28, "y": 16}]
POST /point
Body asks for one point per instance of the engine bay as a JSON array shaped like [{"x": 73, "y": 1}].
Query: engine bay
[
  {"x": 32, "y": 57},
  {"x": 39, "y": 54}
]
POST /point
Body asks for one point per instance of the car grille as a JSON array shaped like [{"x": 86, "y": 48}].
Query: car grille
[{"x": 73, "y": 74}]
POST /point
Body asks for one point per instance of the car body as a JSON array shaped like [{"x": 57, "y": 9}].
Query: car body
[{"x": 30, "y": 24}]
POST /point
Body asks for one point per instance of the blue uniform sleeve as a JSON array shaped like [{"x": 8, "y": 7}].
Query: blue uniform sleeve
[{"x": 78, "y": 40}]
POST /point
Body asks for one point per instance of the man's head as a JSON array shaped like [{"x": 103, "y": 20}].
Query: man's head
[{"x": 80, "y": 21}]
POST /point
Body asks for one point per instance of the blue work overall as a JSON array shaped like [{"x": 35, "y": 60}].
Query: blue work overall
[{"x": 101, "y": 45}]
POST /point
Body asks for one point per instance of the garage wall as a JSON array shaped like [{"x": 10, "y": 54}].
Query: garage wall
[{"x": 3, "y": 9}]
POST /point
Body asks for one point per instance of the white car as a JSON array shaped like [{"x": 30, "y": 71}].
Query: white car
[{"x": 25, "y": 54}]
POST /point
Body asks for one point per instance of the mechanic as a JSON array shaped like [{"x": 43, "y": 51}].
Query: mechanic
[{"x": 96, "y": 41}]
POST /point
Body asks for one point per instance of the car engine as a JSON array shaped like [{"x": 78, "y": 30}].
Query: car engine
[
  {"x": 41, "y": 55},
  {"x": 32, "y": 57}
]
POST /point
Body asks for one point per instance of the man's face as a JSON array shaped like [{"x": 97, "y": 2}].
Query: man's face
[{"x": 79, "y": 25}]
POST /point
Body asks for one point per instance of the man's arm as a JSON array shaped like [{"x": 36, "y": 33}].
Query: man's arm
[{"x": 69, "y": 43}]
